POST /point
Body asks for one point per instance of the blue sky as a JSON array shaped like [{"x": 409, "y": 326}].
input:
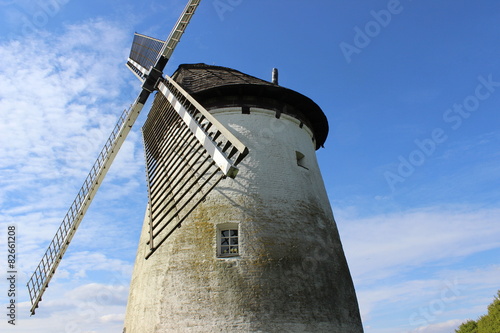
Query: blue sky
[{"x": 411, "y": 90}]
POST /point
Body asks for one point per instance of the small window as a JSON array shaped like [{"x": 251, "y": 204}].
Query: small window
[
  {"x": 228, "y": 240},
  {"x": 300, "y": 159}
]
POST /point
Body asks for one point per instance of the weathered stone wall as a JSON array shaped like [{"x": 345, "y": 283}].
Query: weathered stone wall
[{"x": 291, "y": 274}]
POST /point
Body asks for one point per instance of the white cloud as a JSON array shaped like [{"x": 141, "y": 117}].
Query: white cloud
[
  {"x": 384, "y": 245},
  {"x": 115, "y": 317},
  {"x": 444, "y": 327},
  {"x": 59, "y": 100},
  {"x": 99, "y": 294},
  {"x": 412, "y": 262},
  {"x": 60, "y": 97},
  {"x": 90, "y": 307},
  {"x": 81, "y": 262}
]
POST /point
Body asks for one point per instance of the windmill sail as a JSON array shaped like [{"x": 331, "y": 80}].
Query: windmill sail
[
  {"x": 187, "y": 153},
  {"x": 149, "y": 72},
  {"x": 177, "y": 32},
  {"x": 39, "y": 280},
  {"x": 144, "y": 54},
  {"x": 148, "y": 52}
]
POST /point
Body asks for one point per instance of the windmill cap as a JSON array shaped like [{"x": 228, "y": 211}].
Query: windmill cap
[{"x": 216, "y": 86}]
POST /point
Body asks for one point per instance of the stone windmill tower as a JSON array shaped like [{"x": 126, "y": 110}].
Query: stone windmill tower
[
  {"x": 260, "y": 252},
  {"x": 238, "y": 235}
]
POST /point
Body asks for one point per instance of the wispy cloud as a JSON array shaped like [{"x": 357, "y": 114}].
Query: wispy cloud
[
  {"x": 89, "y": 308},
  {"x": 444, "y": 327},
  {"x": 386, "y": 244},
  {"x": 411, "y": 261},
  {"x": 59, "y": 99}
]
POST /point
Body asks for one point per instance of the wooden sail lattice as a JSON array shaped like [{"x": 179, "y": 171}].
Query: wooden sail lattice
[
  {"x": 187, "y": 153},
  {"x": 39, "y": 280},
  {"x": 144, "y": 54}
]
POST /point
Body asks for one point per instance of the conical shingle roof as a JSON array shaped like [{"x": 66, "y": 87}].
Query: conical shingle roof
[{"x": 216, "y": 86}]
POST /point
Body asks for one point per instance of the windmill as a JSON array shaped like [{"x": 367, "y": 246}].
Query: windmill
[
  {"x": 232, "y": 235},
  {"x": 148, "y": 58}
]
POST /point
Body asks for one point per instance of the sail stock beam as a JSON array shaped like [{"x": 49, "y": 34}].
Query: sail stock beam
[{"x": 43, "y": 273}]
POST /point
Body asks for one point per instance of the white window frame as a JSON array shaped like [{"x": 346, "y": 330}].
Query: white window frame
[{"x": 228, "y": 226}]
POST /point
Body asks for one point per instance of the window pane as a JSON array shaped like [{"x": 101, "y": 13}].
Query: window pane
[{"x": 228, "y": 242}]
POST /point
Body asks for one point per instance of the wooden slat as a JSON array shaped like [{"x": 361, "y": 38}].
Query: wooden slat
[{"x": 181, "y": 169}]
